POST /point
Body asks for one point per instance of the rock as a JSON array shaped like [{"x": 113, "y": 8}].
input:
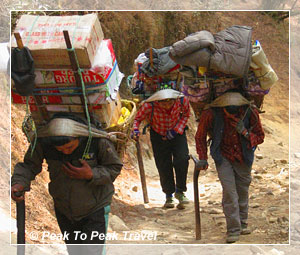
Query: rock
[
  {"x": 202, "y": 194},
  {"x": 215, "y": 211},
  {"x": 273, "y": 209},
  {"x": 282, "y": 161},
  {"x": 270, "y": 193},
  {"x": 297, "y": 155},
  {"x": 273, "y": 219},
  {"x": 135, "y": 188},
  {"x": 259, "y": 156},
  {"x": 254, "y": 205},
  {"x": 257, "y": 176},
  {"x": 146, "y": 206},
  {"x": 280, "y": 144},
  {"x": 117, "y": 224},
  {"x": 253, "y": 196}
]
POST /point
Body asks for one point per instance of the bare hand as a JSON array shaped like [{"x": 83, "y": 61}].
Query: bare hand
[
  {"x": 201, "y": 165},
  {"x": 84, "y": 172},
  {"x": 17, "y": 188}
]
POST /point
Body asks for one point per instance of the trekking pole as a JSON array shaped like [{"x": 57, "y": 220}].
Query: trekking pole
[
  {"x": 20, "y": 224},
  {"x": 196, "y": 199},
  {"x": 142, "y": 171}
]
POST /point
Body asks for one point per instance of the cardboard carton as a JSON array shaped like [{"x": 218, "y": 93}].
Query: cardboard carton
[{"x": 43, "y": 35}]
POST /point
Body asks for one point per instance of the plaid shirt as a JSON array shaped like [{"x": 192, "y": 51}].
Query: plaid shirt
[
  {"x": 163, "y": 120},
  {"x": 231, "y": 147}
]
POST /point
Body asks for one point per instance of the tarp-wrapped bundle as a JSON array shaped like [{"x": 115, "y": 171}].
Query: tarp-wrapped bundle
[
  {"x": 55, "y": 82},
  {"x": 214, "y": 64}
]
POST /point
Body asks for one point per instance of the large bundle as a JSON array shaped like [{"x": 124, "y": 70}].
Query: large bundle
[
  {"x": 155, "y": 70},
  {"x": 214, "y": 64},
  {"x": 56, "y": 87}
]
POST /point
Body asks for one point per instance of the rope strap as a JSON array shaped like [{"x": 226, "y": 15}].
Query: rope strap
[
  {"x": 32, "y": 127},
  {"x": 89, "y": 141}
]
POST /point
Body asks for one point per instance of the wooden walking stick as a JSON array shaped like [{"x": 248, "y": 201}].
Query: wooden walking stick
[
  {"x": 20, "y": 224},
  {"x": 196, "y": 199},
  {"x": 142, "y": 171},
  {"x": 75, "y": 69}
]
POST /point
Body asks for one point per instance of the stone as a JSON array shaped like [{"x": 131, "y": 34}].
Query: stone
[
  {"x": 257, "y": 176},
  {"x": 273, "y": 209},
  {"x": 259, "y": 156},
  {"x": 297, "y": 155},
  {"x": 215, "y": 211},
  {"x": 117, "y": 224},
  {"x": 280, "y": 144},
  {"x": 254, "y": 205},
  {"x": 273, "y": 219},
  {"x": 135, "y": 188}
]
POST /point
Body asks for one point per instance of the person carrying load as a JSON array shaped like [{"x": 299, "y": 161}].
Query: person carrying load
[
  {"x": 167, "y": 112},
  {"x": 235, "y": 130},
  {"x": 82, "y": 189}
]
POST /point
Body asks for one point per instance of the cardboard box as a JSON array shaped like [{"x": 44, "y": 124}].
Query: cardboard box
[
  {"x": 107, "y": 114},
  {"x": 102, "y": 81},
  {"x": 102, "y": 68},
  {"x": 43, "y": 35}
]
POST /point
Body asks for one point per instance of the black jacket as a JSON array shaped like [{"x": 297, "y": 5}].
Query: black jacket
[{"x": 74, "y": 198}]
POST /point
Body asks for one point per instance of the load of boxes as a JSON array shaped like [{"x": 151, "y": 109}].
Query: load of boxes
[{"x": 55, "y": 83}]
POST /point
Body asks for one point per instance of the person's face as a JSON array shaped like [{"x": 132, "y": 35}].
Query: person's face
[
  {"x": 69, "y": 147},
  {"x": 167, "y": 104}
]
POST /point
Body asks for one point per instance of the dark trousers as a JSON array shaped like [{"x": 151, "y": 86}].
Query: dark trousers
[
  {"x": 235, "y": 179},
  {"x": 85, "y": 231},
  {"x": 169, "y": 155}
]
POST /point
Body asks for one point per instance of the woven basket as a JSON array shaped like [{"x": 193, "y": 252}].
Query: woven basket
[{"x": 125, "y": 127}]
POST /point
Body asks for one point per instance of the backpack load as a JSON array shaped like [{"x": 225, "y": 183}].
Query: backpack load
[{"x": 55, "y": 83}]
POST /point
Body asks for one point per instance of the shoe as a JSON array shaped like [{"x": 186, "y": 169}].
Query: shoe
[
  {"x": 232, "y": 238},
  {"x": 169, "y": 203},
  {"x": 244, "y": 229},
  {"x": 181, "y": 198}
]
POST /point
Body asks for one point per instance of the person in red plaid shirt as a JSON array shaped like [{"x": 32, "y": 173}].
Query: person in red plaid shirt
[
  {"x": 235, "y": 131},
  {"x": 167, "y": 112}
]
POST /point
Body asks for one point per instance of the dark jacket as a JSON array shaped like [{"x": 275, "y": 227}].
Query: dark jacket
[
  {"x": 217, "y": 134},
  {"x": 72, "y": 197}
]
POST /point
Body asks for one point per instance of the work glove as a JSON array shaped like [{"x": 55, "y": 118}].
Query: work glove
[
  {"x": 15, "y": 189},
  {"x": 171, "y": 134},
  {"x": 201, "y": 164},
  {"x": 135, "y": 133},
  {"x": 240, "y": 128}
]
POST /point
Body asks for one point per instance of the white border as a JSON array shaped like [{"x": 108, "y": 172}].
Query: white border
[{"x": 173, "y": 244}]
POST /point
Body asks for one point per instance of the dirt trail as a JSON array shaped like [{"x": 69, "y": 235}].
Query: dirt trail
[{"x": 268, "y": 213}]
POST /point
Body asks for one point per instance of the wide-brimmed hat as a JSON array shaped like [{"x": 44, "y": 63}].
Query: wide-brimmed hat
[{"x": 164, "y": 94}]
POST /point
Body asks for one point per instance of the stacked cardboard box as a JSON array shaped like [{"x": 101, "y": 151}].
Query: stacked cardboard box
[{"x": 55, "y": 81}]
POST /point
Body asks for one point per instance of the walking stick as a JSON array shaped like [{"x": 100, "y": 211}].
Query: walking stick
[
  {"x": 142, "y": 171},
  {"x": 20, "y": 225},
  {"x": 196, "y": 199}
]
